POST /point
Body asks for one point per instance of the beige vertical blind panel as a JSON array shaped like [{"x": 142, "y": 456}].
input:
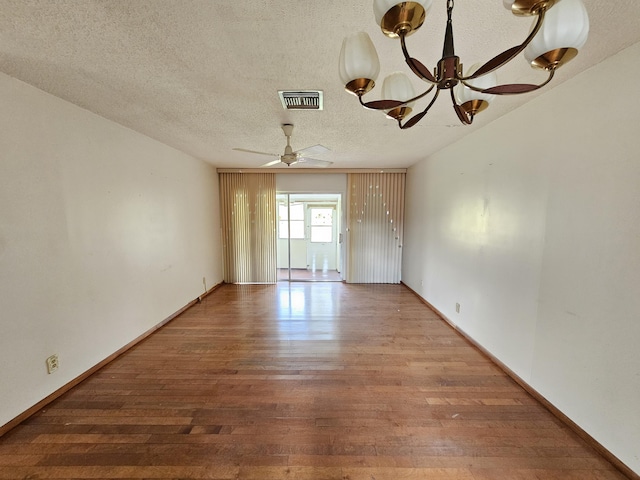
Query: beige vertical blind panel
[
  {"x": 248, "y": 214},
  {"x": 374, "y": 227}
]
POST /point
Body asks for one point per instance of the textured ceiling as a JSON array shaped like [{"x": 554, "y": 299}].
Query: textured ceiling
[{"x": 203, "y": 75}]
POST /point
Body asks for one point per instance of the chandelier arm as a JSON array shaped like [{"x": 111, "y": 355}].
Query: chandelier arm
[
  {"x": 465, "y": 118},
  {"x": 415, "y": 65},
  {"x": 389, "y": 104},
  {"x": 423, "y": 94},
  {"x": 508, "y": 55},
  {"x": 416, "y": 118},
  {"x": 511, "y": 88},
  {"x": 381, "y": 104}
]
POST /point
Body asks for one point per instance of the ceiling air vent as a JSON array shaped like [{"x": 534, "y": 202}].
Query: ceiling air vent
[{"x": 301, "y": 99}]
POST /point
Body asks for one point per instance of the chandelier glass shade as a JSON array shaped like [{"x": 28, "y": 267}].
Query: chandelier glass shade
[
  {"x": 473, "y": 101},
  {"x": 558, "y": 32},
  {"x": 398, "y": 86},
  {"x": 359, "y": 61}
]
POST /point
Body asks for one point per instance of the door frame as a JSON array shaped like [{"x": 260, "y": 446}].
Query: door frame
[{"x": 309, "y": 200}]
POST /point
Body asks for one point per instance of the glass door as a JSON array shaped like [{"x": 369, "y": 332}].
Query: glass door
[{"x": 308, "y": 237}]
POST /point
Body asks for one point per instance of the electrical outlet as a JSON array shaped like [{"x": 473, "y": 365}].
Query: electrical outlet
[
  {"x": 457, "y": 308},
  {"x": 52, "y": 363}
]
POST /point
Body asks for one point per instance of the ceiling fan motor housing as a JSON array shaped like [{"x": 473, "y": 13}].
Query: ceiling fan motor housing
[{"x": 289, "y": 158}]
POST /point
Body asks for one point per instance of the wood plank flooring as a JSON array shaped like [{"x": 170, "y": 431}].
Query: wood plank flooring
[
  {"x": 300, "y": 381},
  {"x": 305, "y": 275}
]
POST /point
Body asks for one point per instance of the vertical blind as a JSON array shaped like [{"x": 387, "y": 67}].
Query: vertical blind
[
  {"x": 374, "y": 227},
  {"x": 248, "y": 218}
]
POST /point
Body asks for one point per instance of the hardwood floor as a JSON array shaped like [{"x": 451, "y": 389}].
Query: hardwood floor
[
  {"x": 305, "y": 275},
  {"x": 300, "y": 381}
]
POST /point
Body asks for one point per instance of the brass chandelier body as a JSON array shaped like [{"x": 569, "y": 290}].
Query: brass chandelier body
[{"x": 405, "y": 18}]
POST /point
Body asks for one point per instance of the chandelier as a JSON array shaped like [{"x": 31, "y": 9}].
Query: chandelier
[{"x": 558, "y": 32}]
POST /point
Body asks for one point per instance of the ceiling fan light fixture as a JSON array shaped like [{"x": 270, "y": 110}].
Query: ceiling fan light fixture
[{"x": 559, "y": 31}]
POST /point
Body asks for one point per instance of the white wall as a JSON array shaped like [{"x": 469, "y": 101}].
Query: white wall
[
  {"x": 104, "y": 233},
  {"x": 532, "y": 224}
]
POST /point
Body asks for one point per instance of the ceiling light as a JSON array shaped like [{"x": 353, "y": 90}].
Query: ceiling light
[{"x": 558, "y": 32}]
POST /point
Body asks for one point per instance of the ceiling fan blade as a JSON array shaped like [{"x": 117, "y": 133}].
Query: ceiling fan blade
[
  {"x": 313, "y": 162},
  {"x": 315, "y": 150},
  {"x": 259, "y": 153},
  {"x": 271, "y": 163}
]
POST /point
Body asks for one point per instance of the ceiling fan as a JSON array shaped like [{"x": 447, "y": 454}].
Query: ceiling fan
[{"x": 290, "y": 157}]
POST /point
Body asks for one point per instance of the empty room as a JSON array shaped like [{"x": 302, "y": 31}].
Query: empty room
[{"x": 357, "y": 240}]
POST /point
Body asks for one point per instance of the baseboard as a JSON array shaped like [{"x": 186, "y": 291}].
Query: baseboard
[
  {"x": 203, "y": 296},
  {"x": 592, "y": 442},
  {"x": 79, "y": 379}
]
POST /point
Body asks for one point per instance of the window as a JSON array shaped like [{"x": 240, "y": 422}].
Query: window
[
  {"x": 296, "y": 222},
  {"x": 322, "y": 225}
]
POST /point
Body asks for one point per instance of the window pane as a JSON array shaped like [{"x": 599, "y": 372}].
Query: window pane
[
  {"x": 297, "y": 220},
  {"x": 297, "y": 211},
  {"x": 283, "y": 229},
  {"x": 322, "y": 216},
  {"x": 282, "y": 212},
  {"x": 297, "y": 228},
  {"x": 321, "y": 234}
]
